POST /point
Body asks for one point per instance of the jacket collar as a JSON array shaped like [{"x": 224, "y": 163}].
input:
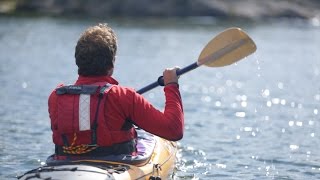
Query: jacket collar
[{"x": 94, "y": 79}]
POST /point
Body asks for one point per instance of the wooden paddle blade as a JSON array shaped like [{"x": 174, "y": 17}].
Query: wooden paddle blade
[{"x": 227, "y": 48}]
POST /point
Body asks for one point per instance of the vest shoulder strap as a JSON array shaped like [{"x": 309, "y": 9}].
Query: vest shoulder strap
[
  {"x": 77, "y": 89},
  {"x": 103, "y": 90}
]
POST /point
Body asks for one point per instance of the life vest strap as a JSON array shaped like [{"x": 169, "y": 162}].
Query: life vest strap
[
  {"x": 77, "y": 89},
  {"x": 95, "y": 121}
]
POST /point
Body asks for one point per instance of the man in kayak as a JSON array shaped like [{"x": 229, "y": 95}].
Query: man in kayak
[{"x": 95, "y": 116}]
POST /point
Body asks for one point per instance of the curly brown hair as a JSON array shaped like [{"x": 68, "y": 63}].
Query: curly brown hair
[{"x": 96, "y": 50}]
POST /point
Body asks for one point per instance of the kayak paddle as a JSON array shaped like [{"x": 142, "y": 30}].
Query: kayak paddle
[{"x": 226, "y": 48}]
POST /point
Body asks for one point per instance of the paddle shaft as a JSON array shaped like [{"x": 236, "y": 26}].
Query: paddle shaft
[{"x": 160, "y": 79}]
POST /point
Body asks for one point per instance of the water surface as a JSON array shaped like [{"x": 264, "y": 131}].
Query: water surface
[{"x": 257, "y": 119}]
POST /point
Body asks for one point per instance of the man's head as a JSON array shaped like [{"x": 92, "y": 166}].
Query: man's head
[{"x": 96, "y": 50}]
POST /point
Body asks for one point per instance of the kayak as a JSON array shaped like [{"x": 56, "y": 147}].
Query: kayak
[{"x": 155, "y": 159}]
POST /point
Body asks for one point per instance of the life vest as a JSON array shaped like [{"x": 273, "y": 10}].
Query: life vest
[{"x": 79, "y": 124}]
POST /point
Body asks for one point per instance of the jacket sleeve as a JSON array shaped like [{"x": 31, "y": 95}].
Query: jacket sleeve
[{"x": 168, "y": 124}]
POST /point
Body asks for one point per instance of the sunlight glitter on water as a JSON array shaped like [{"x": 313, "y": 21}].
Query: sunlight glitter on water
[
  {"x": 265, "y": 93},
  {"x": 238, "y": 137},
  {"x": 240, "y": 114},
  {"x": 244, "y": 104},
  {"x": 275, "y": 100},
  {"x": 206, "y": 99},
  {"x": 229, "y": 83},
  {"x": 223, "y": 166},
  {"x": 189, "y": 165},
  {"x": 294, "y": 147},
  {"x": 241, "y": 97},
  {"x": 24, "y": 85},
  {"x": 299, "y": 123},
  {"x": 269, "y": 103},
  {"x": 311, "y": 123},
  {"x": 247, "y": 129},
  {"x": 280, "y": 85},
  {"x": 291, "y": 123},
  {"x": 41, "y": 162},
  {"x": 239, "y": 85}
]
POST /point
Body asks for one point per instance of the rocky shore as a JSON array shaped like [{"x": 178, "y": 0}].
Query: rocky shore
[{"x": 249, "y": 9}]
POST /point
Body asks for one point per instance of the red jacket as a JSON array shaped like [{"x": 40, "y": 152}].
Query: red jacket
[{"x": 123, "y": 103}]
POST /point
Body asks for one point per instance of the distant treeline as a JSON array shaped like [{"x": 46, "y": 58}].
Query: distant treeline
[{"x": 251, "y": 9}]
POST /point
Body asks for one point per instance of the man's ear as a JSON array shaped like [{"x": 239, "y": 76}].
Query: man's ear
[{"x": 110, "y": 71}]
